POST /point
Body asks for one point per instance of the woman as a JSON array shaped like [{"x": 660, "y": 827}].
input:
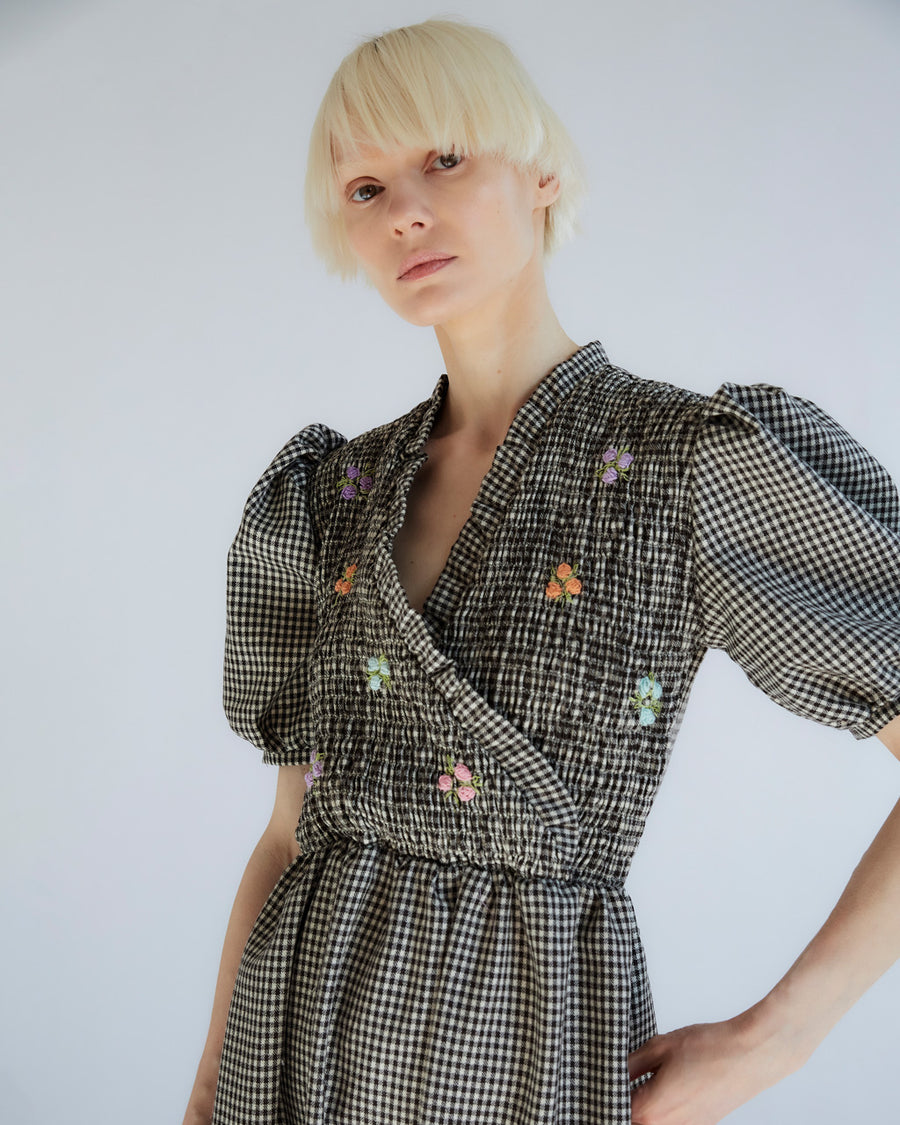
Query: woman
[{"x": 467, "y": 639}]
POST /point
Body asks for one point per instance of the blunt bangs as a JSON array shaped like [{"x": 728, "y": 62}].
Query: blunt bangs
[{"x": 437, "y": 85}]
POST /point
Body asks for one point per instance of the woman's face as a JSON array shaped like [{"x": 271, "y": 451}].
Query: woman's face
[{"x": 479, "y": 220}]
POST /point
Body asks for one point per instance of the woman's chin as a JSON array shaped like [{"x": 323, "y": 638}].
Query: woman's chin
[{"x": 428, "y": 310}]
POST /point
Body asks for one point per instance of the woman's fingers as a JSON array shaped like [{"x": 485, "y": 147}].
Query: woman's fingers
[{"x": 645, "y": 1058}]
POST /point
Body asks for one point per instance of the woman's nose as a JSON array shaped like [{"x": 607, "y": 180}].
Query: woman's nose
[{"x": 409, "y": 208}]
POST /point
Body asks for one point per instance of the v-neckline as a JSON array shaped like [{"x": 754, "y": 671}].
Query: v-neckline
[{"x": 497, "y": 488}]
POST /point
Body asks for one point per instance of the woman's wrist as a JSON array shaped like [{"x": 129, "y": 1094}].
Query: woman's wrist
[{"x": 786, "y": 1030}]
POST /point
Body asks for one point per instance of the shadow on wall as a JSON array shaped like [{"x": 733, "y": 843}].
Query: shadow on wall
[
  {"x": 15, "y": 1105},
  {"x": 23, "y": 20}
]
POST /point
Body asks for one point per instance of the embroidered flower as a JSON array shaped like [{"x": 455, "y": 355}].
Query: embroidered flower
[
  {"x": 563, "y": 583},
  {"x": 355, "y": 482},
  {"x": 616, "y": 464},
  {"x": 345, "y": 584},
  {"x": 316, "y": 771},
  {"x": 458, "y": 772},
  {"x": 378, "y": 673},
  {"x": 646, "y": 700}
]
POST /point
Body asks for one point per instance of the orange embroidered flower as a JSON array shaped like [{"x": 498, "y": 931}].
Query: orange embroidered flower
[
  {"x": 563, "y": 583},
  {"x": 344, "y": 584}
]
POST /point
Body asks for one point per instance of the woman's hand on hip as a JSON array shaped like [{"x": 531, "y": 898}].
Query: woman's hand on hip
[{"x": 703, "y": 1072}]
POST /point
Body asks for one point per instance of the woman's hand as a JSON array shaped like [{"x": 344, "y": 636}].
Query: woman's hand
[{"x": 703, "y": 1072}]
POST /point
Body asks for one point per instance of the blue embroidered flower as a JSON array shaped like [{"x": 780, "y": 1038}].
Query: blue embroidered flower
[
  {"x": 378, "y": 673},
  {"x": 646, "y": 700}
]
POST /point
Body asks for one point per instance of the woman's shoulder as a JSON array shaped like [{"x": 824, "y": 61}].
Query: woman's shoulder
[{"x": 614, "y": 405}]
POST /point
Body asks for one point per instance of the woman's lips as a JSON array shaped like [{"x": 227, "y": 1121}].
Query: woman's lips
[{"x": 425, "y": 268}]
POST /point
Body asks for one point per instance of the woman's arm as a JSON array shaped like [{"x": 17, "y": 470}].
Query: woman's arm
[
  {"x": 703, "y": 1072},
  {"x": 277, "y": 848}
]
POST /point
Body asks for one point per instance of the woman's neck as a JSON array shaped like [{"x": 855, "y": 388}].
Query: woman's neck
[{"x": 494, "y": 360}]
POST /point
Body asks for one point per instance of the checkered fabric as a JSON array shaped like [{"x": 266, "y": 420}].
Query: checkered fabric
[{"x": 454, "y": 943}]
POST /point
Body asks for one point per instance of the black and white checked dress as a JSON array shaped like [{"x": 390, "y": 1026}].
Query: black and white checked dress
[{"x": 454, "y": 945}]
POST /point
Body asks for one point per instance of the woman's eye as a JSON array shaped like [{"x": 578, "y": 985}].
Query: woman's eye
[
  {"x": 448, "y": 159},
  {"x": 364, "y": 193}
]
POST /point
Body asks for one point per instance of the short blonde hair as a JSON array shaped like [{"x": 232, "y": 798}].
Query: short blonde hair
[{"x": 440, "y": 84}]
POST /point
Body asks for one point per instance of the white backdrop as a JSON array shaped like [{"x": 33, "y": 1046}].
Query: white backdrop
[{"x": 166, "y": 330}]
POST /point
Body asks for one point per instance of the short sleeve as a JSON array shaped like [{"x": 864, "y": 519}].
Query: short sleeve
[
  {"x": 797, "y": 557},
  {"x": 271, "y": 609}
]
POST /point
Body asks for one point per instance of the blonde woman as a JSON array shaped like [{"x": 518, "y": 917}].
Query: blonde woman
[{"x": 466, "y": 639}]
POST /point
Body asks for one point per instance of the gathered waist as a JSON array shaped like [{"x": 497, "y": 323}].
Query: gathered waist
[{"x": 521, "y": 853}]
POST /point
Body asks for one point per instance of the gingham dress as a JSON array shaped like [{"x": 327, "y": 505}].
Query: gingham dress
[{"x": 454, "y": 943}]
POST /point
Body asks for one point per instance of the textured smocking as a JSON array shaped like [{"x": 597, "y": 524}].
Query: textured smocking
[{"x": 455, "y": 943}]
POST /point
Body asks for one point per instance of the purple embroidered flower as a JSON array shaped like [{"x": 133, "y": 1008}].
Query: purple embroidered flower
[
  {"x": 356, "y": 483},
  {"x": 646, "y": 700},
  {"x": 315, "y": 762},
  {"x": 616, "y": 463},
  {"x": 457, "y": 772}
]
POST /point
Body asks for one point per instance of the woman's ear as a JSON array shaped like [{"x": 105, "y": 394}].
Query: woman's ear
[{"x": 548, "y": 189}]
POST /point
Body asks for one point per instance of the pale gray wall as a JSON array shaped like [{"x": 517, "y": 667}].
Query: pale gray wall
[{"x": 166, "y": 329}]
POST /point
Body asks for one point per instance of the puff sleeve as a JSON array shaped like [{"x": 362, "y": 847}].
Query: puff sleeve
[
  {"x": 797, "y": 557},
  {"x": 271, "y": 611}
]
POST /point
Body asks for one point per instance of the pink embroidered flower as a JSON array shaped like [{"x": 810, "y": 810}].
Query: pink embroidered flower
[
  {"x": 616, "y": 464},
  {"x": 458, "y": 781}
]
